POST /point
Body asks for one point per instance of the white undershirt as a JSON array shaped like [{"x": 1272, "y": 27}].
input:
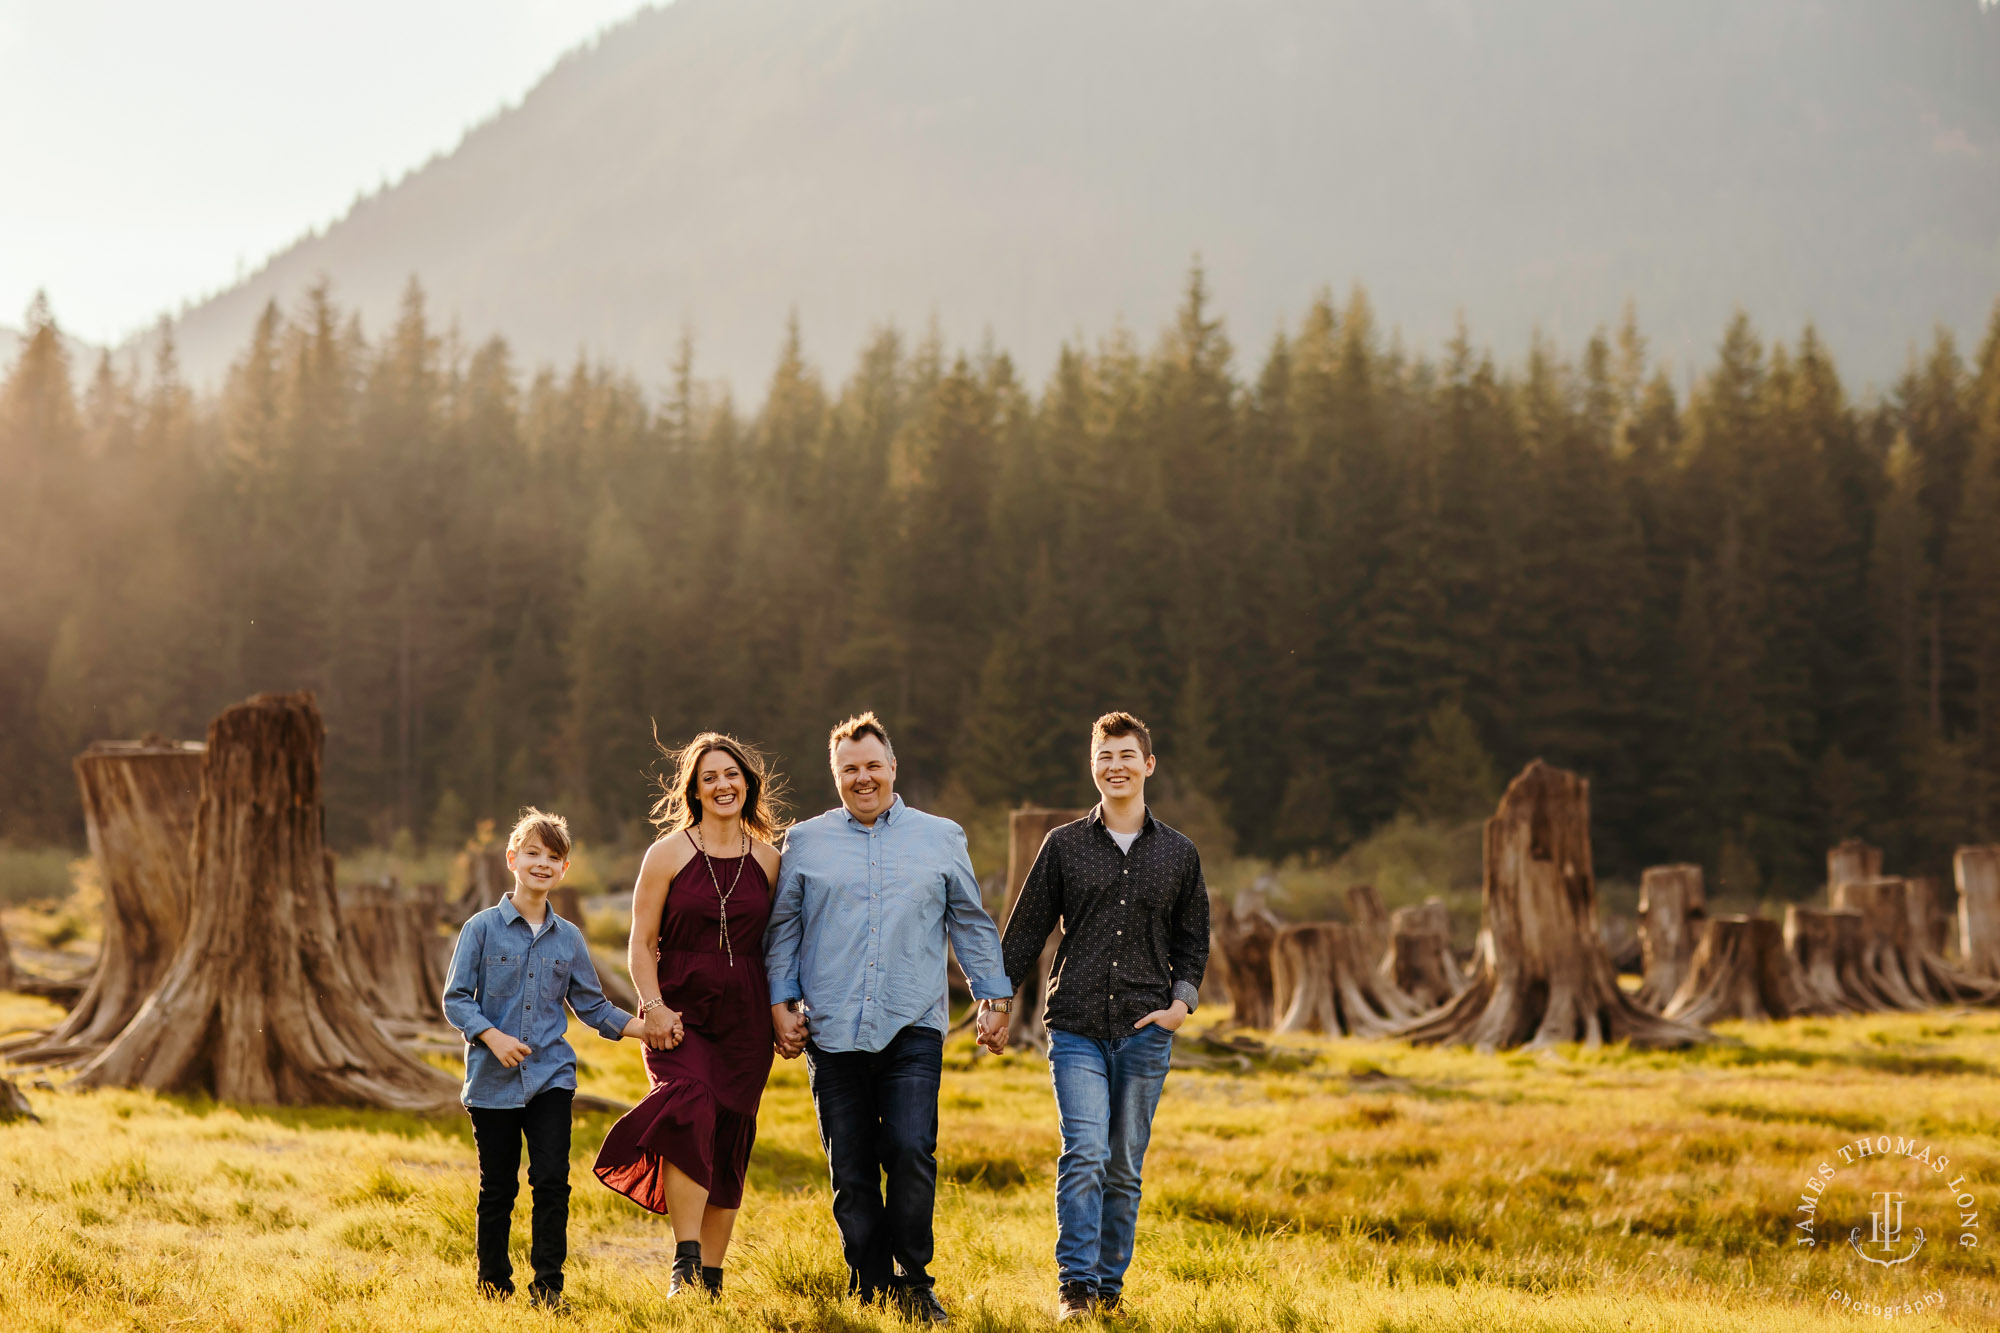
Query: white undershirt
[
  {"x": 544, "y": 925},
  {"x": 1124, "y": 840}
]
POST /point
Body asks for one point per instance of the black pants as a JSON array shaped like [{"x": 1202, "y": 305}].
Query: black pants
[
  {"x": 498, "y": 1132},
  {"x": 878, "y": 1116}
]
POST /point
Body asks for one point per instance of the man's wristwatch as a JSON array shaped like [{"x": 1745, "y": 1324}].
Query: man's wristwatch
[{"x": 1005, "y": 1006}]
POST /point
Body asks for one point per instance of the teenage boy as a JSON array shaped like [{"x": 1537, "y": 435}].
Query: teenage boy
[
  {"x": 515, "y": 965},
  {"x": 868, "y": 895},
  {"x": 1129, "y": 895}
]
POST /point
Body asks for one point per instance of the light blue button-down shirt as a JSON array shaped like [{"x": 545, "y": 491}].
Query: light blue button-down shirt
[
  {"x": 859, "y": 926},
  {"x": 505, "y": 976}
]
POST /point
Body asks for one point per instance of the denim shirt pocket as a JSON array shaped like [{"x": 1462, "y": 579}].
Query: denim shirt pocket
[
  {"x": 503, "y": 974},
  {"x": 556, "y": 988}
]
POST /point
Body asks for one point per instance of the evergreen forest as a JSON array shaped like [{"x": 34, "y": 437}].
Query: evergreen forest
[{"x": 1343, "y": 580}]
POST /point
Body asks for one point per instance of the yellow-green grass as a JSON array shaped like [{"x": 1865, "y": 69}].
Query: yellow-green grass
[{"x": 1363, "y": 1186}]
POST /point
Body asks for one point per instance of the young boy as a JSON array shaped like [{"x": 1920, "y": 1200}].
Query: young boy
[
  {"x": 515, "y": 965},
  {"x": 1129, "y": 895}
]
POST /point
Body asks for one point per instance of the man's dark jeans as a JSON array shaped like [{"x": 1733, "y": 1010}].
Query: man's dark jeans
[
  {"x": 498, "y": 1131},
  {"x": 878, "y": 1115}
]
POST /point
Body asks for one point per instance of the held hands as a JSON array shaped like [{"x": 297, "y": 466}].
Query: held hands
[
  {"x": 661, "y": 1028},
  {"x": 510, "y": 1050},
  {"x": 1169, "y": 1018},
  {"x": 991, "y": 1028},
  {"x": 788, "y": 1031}
]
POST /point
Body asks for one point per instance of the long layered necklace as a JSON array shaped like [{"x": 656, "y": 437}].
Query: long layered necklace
[{"x": 721, "y": 894}]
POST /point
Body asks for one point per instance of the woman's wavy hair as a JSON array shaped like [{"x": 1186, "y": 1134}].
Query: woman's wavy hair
[{"x": 679, "y": 804}]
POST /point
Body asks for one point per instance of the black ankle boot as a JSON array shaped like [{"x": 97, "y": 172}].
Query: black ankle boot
[
  {"x": 686, "y": 1276},
  {"x": 711, "y": 1277}
]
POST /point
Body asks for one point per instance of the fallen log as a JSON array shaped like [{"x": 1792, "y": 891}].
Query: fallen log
[
  {"x": 1543, "y": 976},
  {"x": 260, "y": 1003},
  {"x": 1739, "y": 970}
]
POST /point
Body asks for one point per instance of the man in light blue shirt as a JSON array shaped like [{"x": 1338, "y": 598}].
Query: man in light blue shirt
[{"x": 867, "y": 897}]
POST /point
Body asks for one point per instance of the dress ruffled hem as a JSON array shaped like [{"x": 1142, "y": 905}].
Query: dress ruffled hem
[{"x": 679, "y": 1124}]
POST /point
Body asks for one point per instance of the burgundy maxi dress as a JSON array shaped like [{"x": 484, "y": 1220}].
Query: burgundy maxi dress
[{"x": 701, "y": 1114}]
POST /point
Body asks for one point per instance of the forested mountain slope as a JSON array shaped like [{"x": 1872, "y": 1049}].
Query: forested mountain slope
[{"x": 1043, "y": 168}]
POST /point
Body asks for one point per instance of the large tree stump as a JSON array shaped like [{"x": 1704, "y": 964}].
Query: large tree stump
[
  {"x": 1672, "y": 906},
  {"x": 1898, "y": 965},
  {"x": 1327, "y": 981},
  {"x": 1371, "y": 921},
  {"x": 1930, "y": 929},
  {"x": 1241, "y": 939},
  {"x": 261, "y": 1003},
  {"x": 1027, "y": 829},
  {"x": 1542, "y": 976},
  {"x": 139, "y": 800},
  {"x": 1825, "y": 948},
  {"x": 1739, "y": 970},
  {"x": 486, "y": 879},
  {"x": 1420, "y": 962},
  {"x": 1851, "y": 861},
  {"x": 398, "y": 957},
  {"x": 1977, "y": 870}
]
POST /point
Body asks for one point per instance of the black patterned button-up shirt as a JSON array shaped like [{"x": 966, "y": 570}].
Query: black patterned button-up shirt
[{"x": 1135, "y": 925}]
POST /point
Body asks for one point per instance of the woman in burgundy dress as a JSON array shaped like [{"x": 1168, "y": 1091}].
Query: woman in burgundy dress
[{"x": 699, "y": 909}]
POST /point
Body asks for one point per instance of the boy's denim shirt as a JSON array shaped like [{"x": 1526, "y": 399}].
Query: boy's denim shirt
[{"x": 504, "y": 976}]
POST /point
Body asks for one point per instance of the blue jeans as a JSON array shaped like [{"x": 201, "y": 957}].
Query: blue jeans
[
  {"x": 878, "y": 1121},
  {"x": 1106, "y": 1092}
]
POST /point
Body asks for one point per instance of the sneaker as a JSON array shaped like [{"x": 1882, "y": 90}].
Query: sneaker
[
  {"x": 493, "y": 1291},
  {"x": 1075, "y": 1300},
  {"x": 1110, "y": 1304},
  {"x": 922, "y": 1305},
  {"x": 544, "y": 1298}
]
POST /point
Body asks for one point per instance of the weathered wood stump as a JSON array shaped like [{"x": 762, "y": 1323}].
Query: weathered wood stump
[
  {"x": 1242, "y": 940},
  {"x": 1621, "y": 944},
  {"x": 1027, "y": 829},
  {"x": 1851, "y": 861},
  {"x": 1977, "y": 870},
  {"x": 7, "y": 972},
  {"x": 1930, "y": 929},
  {"x": 1420, "y": 962},
  {"x": 487, "y": 878},
  {"x": 1542, "y": 976},
  {"x": 1672, "y": 906},
  {"x": 260, "y": 1003},
  {"x": 1895, "y": 963},
  {"x": 1334, "y": 986},
  {"x": 139, "y": 800},
  {"x": 568, "y": 904},
  {"x": 1824, "y": 945},
  {"x": 1370, "y": 920},
  {"x": 1739, "y": 970},
  {"x": 399, "y": 958}
]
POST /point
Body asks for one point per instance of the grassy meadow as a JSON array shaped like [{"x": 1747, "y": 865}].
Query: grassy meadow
[{"x": 1336, "y": 1185}]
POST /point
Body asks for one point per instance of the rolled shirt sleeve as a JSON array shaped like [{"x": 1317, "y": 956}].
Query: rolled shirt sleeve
[{"x": 974, "y": 938}]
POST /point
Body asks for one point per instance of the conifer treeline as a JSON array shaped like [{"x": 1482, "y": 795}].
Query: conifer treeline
[{"x": 1356, "y": 582}]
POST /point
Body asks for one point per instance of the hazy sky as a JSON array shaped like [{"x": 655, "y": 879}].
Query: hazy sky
[{"x": 149, "y": 151}]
